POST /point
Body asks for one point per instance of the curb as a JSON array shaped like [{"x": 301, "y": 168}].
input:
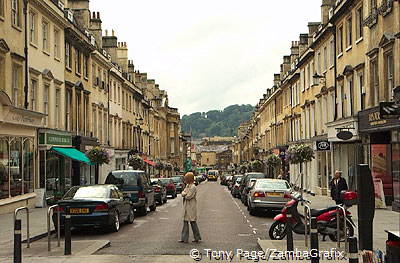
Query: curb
[{"x": 38, "y": 237}]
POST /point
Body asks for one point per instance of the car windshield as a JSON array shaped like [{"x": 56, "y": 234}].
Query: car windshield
[
  {"x": 87, "y": 192},
  {"x": 165, "y": 181},
  {"x": 272, "y": 185},
  {"x": 176, "y": 179},
  {"x": 125, "y": 178},
  {"x": 257, "y": 175}
]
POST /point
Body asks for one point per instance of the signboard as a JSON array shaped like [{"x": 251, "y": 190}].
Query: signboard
[
  {"x": 323, "y": 145},
  {"x": 345, "y": 135},
  {"x": 389, "y": 110},
  {"x": 55, "y": 139},
  {"x": 370, "y": 120}
]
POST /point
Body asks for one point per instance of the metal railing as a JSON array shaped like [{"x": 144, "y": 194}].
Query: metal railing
[
  {"x": 51, "y": 208},
  {"x": 27, "y": 222},
  {"x": 341, "y": 208},
  {"x": 307, "y": 222}
]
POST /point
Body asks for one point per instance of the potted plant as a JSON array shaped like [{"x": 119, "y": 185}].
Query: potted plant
[
  {"x": 299, "y": 154},
  {"x": 271, "y": 162},
  {"x": 257, "y": 166},
  {"x": 136, "y": 162}
]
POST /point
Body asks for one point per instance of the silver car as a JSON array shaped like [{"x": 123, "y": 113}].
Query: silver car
[{"x": 268, "y": 194}]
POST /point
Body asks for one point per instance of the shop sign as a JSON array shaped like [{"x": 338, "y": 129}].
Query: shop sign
[
  {"x": 371, "y": 118},
  {"x": 18, "y": 118},
  {"x": 345, "y": 135},
  {"x": 55, "y": 139},
  {"x": 323, "y": 145}
]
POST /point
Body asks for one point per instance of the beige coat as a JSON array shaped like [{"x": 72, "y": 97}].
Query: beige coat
[{"x": 189, "y": 203}]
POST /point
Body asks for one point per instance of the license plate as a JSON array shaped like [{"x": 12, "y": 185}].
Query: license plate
[
  {"x": 79, "y": 210},
  {"x": 275, "y": 194}
]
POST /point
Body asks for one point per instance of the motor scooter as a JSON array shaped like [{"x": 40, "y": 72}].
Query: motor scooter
[{"x": 326, "y": 218}]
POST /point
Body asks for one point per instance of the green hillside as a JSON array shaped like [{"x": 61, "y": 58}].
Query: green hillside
[{"x": 215, "y": 122}]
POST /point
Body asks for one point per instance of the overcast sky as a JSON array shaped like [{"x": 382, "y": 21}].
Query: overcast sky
[{"x": 208, "y": 54}]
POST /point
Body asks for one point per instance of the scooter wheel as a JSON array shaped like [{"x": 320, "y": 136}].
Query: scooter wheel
[{"x": 277, "y": 231}]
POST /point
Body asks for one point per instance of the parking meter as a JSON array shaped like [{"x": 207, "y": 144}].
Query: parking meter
[{"x": 366, "y": 206}]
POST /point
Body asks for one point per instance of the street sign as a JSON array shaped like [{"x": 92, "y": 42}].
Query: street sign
[
  {"x": 323, "y": 145},
  {"x": 389, "y": 110},
  {"x": 345, "y": 135}
]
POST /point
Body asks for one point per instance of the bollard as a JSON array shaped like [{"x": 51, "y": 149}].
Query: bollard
[
  {"x": 314, "y": 240},
  {"x": 67, "y": 235},
  {"x": 289, "y": 233},
  {"x": 353, "y": 250},
  {"x": 17, "y": 241}
]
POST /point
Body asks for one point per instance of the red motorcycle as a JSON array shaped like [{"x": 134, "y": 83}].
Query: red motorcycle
[{"x": 326, "y": 218}]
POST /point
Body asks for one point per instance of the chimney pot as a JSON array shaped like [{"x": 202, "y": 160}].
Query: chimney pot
[
  {"x": 98, "y": 15},
  {"x": 113, "y": 32},
  {"x": 106, "y": 33}
]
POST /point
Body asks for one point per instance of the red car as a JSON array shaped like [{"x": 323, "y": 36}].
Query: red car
[{"x": 169, "y": 184}]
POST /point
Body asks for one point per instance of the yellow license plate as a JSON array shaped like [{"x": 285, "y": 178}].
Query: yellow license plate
[
  {"x": 79, "y": 210},
  {"x": 275, "y": 194}
]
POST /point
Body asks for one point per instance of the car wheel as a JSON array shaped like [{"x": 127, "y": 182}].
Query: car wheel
[
  {"x": 115, "y": 225},
  {"x": 143, "y": 210},
  {"x": 131, "y": 216},
  {"x": 153, "y": 207}
]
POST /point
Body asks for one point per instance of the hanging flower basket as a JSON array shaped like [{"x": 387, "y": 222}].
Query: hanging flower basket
[
  {"x": 169, "y": 167},
  {"x": 98, "y": 156},
  {"x": 257, "y": 166},
  {"x": 299, "y": 153},
  {"x": 272, "y": 161},
  {"x": 159, "y": 166},
  {"x": 136, "y": 162}
]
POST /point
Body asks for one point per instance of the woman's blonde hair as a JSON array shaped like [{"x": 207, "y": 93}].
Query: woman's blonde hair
[{"x": 189, "y": 178}]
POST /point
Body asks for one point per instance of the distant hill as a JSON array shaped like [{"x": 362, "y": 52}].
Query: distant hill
[{"x": 215, "y": 122}]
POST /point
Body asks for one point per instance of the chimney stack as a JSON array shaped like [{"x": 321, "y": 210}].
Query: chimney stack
[
  {"x": 277, "y": 79},
  {"x": 325, "y": 7}
]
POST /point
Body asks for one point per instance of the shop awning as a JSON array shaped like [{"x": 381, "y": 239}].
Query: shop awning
[
  {"x": 73, "y": 154},
  {"x": 149, "y": 162}
]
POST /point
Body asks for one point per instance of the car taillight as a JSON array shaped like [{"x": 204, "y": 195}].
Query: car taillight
[
  {"x": 59, "y": 209},
  {"x": 157, "y": 189},
  {"x": 259, "y": 194},
  {"x": 286, "y": 195},
  {"x": 141, "y": 194},
  {"x": 101, "y": 208}
]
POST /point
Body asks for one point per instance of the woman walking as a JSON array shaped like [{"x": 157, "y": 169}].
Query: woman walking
[{"x": 189, "y": 210}]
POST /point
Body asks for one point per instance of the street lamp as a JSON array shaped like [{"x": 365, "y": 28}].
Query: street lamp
[{"x": 319, "y": 79}]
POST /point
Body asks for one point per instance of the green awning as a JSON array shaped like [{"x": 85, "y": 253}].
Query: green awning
[{"x": 73, "y": 154}]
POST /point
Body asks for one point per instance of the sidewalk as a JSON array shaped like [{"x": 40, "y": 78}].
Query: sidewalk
[
  {"x": 384, "y": 219},
  {"x": 37, "y": 228}
]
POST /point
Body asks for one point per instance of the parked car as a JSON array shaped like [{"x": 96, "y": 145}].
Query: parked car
[
  {"x": 198, "y": 179},
  {"x": 228, "y": 180},
  {"x": 233, "y": 181},
  {"x": 136, "y": 185},
  {"x": 212, "y": 175},
  {"x": 235, "y": 188},
  {"x": 169, "y": 184},
  {"x": 245, "y": 183},
  {"x": 268, "y": 194},
  {"x": 98, "y": 206},
  {"x": 160, "y": 190},
  {"x": 222, "y": 179},
  {"x": 179, "y": 184}
]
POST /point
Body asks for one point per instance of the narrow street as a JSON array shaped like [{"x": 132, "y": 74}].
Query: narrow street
[{"x": 223, "y": 221}]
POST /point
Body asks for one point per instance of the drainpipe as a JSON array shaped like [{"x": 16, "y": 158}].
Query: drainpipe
[
  {"x": 335, "y": 71},
  {"x": 26, "y": 103}
]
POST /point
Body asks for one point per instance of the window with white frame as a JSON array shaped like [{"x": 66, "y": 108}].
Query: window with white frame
[
  {"x": 86, "y": 66},
  {"x": 94, "y": 121},
  {"x": 389, "y": 76},
  {"x": 68, "y": 101},
  {"x": 16, "y": 85},
  {"x": 325, "y": 58},
  {"x": 360, "y": 21},
  {"x": 332, "y": 53},
  {"x": 351, "y": 102},
  {"x": 32, "y": 27},
  {"x": 33, "y": 94},
  {"x": 46, "y": 96},
  {"x": 16, "y": 13},
  {"x": 363, "y": 94},
  {"x": 45, "y": 35},
  {"x": 68, "y": 58},
  {"x": 78, "y": 61},
  {"x": 57, "y": 112},
  {"x": 374, "y": 74},
  {"x": 349, "y": 31},
  {"x": 57, "y": 43},
  {"x": 340, "y": 39},
  {"x": 1, "y": 8}
]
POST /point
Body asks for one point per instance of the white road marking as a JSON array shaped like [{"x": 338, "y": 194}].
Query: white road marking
[
  {"x": 244, "y": 235},
  {"x": 164, "y": 218}
]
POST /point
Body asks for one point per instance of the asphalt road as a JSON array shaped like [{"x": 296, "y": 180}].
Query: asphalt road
[{"x": 223, "y": 221}]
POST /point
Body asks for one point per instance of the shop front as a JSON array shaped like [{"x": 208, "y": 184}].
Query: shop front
[
  {"x": 84, "y": 173},
  {"x": 322, "y": 159},
  {"x": 17, "y": 155},
  {"x": 346, "y": 149},
  {"x": 56, "y": 155},
  {"x": 381, "y": 145}
]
